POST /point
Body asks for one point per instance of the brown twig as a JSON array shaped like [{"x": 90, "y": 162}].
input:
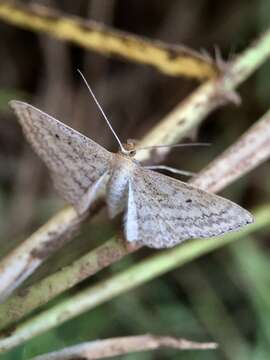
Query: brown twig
[
  {"x": 102, "y": 349},
  {"x": 248, "y": 152},
  {"x": 29, "y": 255},
  {"x": 169, "y": 59}
]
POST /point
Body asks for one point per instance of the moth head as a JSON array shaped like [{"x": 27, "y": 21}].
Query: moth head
[{"x": 129, "y": 148}]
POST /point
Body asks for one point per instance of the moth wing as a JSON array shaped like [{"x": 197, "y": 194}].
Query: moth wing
[
  {"x": 162, "y": 211},
  {"x": 75, "y": 162}
]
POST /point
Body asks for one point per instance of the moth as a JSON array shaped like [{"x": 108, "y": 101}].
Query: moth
[{"x": 159, "y": 211}]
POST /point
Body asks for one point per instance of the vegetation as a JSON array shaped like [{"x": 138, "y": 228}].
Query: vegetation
[{"x": 61, "y": 288}]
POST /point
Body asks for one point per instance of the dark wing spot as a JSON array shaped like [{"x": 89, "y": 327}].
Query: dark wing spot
[
  {"x": 57, "y": 136},
  {"x": 188, "y": 201}
]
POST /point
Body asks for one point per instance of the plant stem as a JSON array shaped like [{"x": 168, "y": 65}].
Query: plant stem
[
  {"x": 101, "y": 349},
  {"x": 169, "y": 59},
  {"x": 210, "y": 95},
  {"x": 136, "y": 275}
]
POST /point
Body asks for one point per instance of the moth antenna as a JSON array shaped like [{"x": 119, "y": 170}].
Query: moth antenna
[
  {"x": 102, "y": 112},
  {"x": 173, "y": 146}
]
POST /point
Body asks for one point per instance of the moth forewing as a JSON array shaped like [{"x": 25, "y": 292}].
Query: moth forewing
[
  {"x": 166, "y": 211},
  {"x": 131, "y": 218},
  {"x": 94, "y": 193},
  {"x": 75, "y": 161}
]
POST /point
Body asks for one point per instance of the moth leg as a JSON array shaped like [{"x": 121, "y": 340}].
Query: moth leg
[
  {"x": 96, "y": 191},
  {"x": 170, "y": 169}
]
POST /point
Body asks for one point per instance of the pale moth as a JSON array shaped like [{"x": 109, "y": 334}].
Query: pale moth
[{"x": 159, "y": 211}]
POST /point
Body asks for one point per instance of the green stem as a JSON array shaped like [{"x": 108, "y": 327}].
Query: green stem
[
  {"x": 43, "y": 291},
  {"x": 136, "y": 275}
]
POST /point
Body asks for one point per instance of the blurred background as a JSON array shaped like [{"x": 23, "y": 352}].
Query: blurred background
[{"x": 224, "y": 296}]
